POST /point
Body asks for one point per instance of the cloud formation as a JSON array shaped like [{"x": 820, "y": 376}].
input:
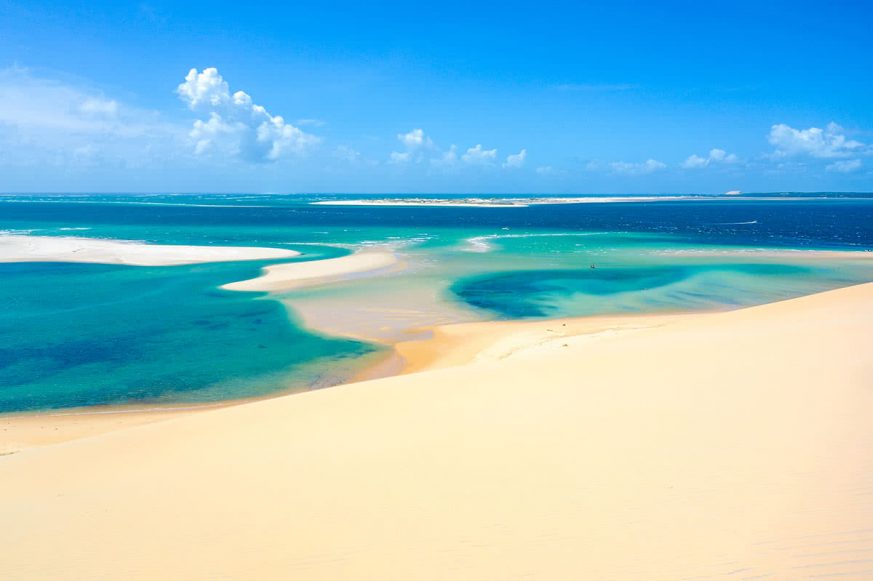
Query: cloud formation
[
  {"x": 826, "y": 143},
  {"x": 715, "y": 156},
  {"x": 235, "y": 125},
  {"x": 478, "y": 156},
  {"x": 415, "y": 139},
  {"x": 845, "y": 166},
  {"x": 419, "y": 148},
  {"x": 515, "y": 160},
  {"x": 49, "y": 122}
]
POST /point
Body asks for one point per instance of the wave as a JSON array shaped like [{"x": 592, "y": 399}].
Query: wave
[{"x": 483, "y": 243}]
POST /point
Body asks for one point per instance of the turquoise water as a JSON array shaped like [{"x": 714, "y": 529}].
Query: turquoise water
[
  {"x": 85, "y": 334},
  {"x": 79, "y": 335}
]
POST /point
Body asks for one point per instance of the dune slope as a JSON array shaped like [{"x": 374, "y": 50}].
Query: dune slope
[{"x": 731, "y": 445}]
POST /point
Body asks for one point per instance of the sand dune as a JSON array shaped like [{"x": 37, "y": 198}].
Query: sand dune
[
  {"x": 730, "y": 445},
  {"x": 15, "y": 248},
  {"x": 281, "y": 277}
]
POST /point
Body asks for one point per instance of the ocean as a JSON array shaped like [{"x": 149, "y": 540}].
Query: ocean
[{"x": 74, "y": 335}]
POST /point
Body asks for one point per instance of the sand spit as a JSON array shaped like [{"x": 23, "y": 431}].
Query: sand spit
[
  {"x": 494, "y": 202},
  {"x": 282, "y": 277},
  {"x": 15, "y": 248},
  {"x": 727, "y": 445}
]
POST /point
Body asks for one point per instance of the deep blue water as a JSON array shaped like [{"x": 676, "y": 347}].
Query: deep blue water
[{"x": 835, "y": 222}]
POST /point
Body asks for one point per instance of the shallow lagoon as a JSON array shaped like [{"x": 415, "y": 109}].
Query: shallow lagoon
[{"x": 75, "y": 335}]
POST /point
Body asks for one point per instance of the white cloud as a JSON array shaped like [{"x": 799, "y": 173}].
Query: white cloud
[
  {"x": 420, "y": 148},
  {"x": 415, "y": 139},
  {"x": 48, "y": 122},
  {"x": 716, "y": 156},
  {"x": 397, "y": 157},
  {"x": 448, "y": 158},
  {"x": 415, "y": 142},
  {"x": 98, "y": 106},
  {"x": 236, "y": 125},
  {"x": 695, "y": 161},
  {"x": 545, "y": 170},
  {"x": 845, "y": 166},
  {"x": 206, "y": 89},
  {"x": 478, "y": 156},
  {"x": 515, "y": 160},
  {"x": 825, "y": 143},
  {"x": 646, "y": 167}
]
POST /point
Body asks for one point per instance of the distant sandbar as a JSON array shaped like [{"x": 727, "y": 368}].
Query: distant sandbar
[
  {"x": 17, "y": 248},
  {"x": 497, "y": 202}
]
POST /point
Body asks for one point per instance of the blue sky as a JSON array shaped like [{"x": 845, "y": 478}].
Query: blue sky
[{"x": 575, "y": 97}]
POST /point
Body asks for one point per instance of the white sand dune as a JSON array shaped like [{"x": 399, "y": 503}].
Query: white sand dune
[
  {"x": 282, "y": 277},
  {"x": 732, "y": 445},
  {"x": 15, "y": 248}
]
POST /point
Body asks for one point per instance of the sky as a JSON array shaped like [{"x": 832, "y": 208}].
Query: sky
[{"x": 442, "y": 97}]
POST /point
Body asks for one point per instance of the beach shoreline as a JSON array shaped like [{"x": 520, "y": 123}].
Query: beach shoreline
[
  {"x": 431, "y": 348},
  {"x": 434, "y": 347},
  {"x": 668, "y": 447}
]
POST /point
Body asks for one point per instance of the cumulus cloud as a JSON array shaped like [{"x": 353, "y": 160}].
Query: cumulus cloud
[
  {"x": 845, "y": 166},
  {"x": 446, "y": 159},
  {"x": 235, "y": 125},
  {"x": 646, "y": 167},
  {"x": 414, "y": 139},
  {"x": 478, "y": 156},
  {"x": 829, "y": 142},
  {"x": 419, "y": 148},
  {"x": 715, "y": 156},
  {"x": 515, "y": 160}
]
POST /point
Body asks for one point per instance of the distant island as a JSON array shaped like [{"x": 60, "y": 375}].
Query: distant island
[{"x": 497, "y": 201}]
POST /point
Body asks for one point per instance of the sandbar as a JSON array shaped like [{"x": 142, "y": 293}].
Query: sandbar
[
  {"x": 502, "y": 202},
  {"x": 18, "y": 248},
  {"x": 293, "y": 275}
]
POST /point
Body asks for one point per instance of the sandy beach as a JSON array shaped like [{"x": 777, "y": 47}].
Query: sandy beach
[
  {"x": 16, "y": 248},
  {"x": 282, "y": 277},
  {"x": 732, "y": 444}
]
